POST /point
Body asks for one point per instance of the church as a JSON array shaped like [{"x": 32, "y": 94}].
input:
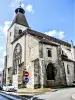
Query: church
[{"x": 48, "y": 60}]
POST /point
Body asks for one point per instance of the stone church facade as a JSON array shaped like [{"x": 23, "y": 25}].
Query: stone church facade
[{"x": 48, "y": 60}]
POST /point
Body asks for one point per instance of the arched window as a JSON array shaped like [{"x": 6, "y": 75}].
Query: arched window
[
  {"x": 17, "y": 55},
  {"x": 49, "y": 52}
]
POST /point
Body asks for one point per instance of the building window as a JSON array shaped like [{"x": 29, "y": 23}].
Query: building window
[
  {"x": 63, "y": 63},
  {"x": 49, "y": 52},
  {"x": 62, "y": 52},
  {"x": 17, "y": 56},
  {"x": 10, "y": 33},
  {"x": 68, "y": 71},
  {"x": 9, "y": 70},
  {"x": 20, "y": 31}
]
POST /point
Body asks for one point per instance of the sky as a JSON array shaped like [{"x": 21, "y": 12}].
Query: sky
[{"x": 52, "y": 17}]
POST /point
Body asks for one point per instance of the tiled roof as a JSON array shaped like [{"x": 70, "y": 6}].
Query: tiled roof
[
  {"x": 41, "y": 35},
  {"x": 45, "y": 41},
  {"x": 66, "y": 59},
  {"x": 20, "y": 19}
]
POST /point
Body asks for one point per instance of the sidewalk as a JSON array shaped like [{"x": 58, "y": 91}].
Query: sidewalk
[
  {"x": 32, "y": 91},
  {"x": 27, "y": 91}
]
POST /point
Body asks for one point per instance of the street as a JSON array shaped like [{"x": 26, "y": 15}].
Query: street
[
  {"x": 57, "y": 94},
  {"x": 3, "y": 98},
  {"x": 60, "y": 94}
]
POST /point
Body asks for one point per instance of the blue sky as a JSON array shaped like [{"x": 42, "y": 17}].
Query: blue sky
[{"x": 52, "y": 17}]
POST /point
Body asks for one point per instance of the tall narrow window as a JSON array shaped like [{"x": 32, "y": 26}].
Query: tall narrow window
[
  {"x": 68, "y": 71},
  {"x": 17, "y": 55},
  {"x": 49, "y": 52},
  {"x": 62, "y": 52},
  {"x": 9, "y": 70},
  {"x": 63, "y": 63}
]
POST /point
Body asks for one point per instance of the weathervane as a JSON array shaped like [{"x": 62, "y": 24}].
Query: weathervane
[{"x": 20, "y": 3}]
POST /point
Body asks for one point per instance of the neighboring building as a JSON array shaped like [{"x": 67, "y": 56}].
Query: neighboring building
[
  {"x": 4, "y": 70},
  {"x": 48, "y": 60},
  {"x": 1, "y": 77}
]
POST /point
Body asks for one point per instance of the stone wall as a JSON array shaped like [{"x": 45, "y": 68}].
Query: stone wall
[
  {"x": 69, "y": 75},
  {"x": 32, "y": 54},
  {"x": 60, "y": 76},
  {"x": 20, "y": 76},
  {"x": 37, "y": 75}
]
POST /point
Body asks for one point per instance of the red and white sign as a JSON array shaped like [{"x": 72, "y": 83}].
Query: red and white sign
[{"x": 26, "y": 74}]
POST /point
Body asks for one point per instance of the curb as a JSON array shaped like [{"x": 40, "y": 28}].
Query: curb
[{"x": 73, "y": 96}]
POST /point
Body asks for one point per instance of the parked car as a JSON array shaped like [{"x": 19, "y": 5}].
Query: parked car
[
  {"x": 1, "y": 87},
  {"x": 9, "y": 88}
]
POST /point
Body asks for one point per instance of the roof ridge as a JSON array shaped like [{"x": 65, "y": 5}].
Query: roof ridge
[{"x": 49, "y": 37}]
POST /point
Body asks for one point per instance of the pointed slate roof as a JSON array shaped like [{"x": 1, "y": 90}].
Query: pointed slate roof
[{"x": 20, "y": 17}]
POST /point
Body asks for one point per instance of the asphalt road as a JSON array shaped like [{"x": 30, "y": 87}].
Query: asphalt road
[
  {"x": 60, "y": 94},
  {"x": 3, "y": 98}
]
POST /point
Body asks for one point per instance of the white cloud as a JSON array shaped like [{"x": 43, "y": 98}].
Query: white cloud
[
  {"x": 16, "y": 3},
  {"x": 1, "y": 48},
  {"x": 4, "y": 53},
  {"x": 57, "y": 34},
  {"x": 4, "y": 28},
  {"x": 22, "y": 5},
  {"x": 29, "y": 8}
]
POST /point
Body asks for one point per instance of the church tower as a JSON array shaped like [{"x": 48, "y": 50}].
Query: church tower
[
  {"x": 19, "y": 23},
  {"x": 15, "y": 48}
]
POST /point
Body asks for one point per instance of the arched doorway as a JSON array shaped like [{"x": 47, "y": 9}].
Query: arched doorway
[{"x": 50, "y": 72}]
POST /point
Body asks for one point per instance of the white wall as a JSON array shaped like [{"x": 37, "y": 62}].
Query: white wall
[
  {"x": 12, "y": 30},
  {"x": 10, "y": 47}
]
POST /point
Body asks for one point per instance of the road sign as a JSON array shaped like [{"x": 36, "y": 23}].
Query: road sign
[
  {"x": 26, "y": 80},
  {"x": 26, "y": 74}
]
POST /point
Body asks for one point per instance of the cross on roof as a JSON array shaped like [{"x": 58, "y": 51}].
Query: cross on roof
[{"x": 20, "y": 3}]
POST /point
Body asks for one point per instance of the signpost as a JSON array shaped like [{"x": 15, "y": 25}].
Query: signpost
[
  {"x": 26, "y": 74},
  {"x": 26, "y": 80}
]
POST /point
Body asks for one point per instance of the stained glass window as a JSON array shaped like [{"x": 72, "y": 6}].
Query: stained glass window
[{"x": 17, "y": 56}]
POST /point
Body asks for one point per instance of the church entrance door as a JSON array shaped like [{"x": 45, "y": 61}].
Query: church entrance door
[{"x": 50, "y": 72}]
